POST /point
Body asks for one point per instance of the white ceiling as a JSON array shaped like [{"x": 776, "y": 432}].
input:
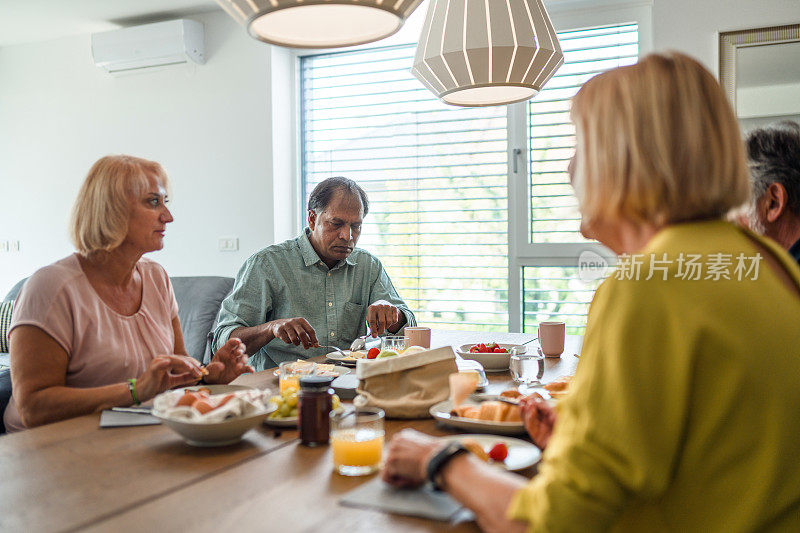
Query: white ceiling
[{"x": 25, "y": 21}]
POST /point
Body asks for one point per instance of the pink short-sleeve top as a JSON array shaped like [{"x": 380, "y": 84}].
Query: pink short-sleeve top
[{"x": 103, "y": 346}]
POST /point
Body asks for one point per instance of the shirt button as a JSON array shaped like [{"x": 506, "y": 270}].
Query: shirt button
[
  {"x": 332, "y": 334},
  {"x": 330, "y": 304},
  {"x": 329, "y": 273}
]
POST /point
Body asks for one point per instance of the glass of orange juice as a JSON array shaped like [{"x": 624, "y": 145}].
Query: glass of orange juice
[
  {"x": 357, "y": 440},
  {"x": 289, "y": 374}
]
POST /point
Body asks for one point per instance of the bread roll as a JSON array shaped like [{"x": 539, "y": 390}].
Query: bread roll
[
  {"x": 514, "y": 414},
  {"x": 511, "y": 393}
]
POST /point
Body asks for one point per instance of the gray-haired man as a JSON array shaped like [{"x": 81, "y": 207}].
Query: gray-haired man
[
  {"x": 774, "y": 157},
  {"x": 316, "y": 289}
]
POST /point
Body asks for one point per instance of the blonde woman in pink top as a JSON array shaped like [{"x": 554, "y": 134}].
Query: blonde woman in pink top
[{"x": 100, "y": 328}]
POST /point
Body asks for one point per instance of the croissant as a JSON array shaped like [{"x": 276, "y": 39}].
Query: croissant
[
  {"x": 559, "y": 385},
  {"x": 490, "y": 411},
  {"x": 467, "y": 411},
  {"x": 476, "y": 449}
]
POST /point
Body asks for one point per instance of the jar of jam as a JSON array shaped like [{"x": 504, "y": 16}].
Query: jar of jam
[{"x": 314, "y": 405}]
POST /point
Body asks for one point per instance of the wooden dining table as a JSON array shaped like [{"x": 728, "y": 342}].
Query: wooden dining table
[{"x": 74, "y": 476}]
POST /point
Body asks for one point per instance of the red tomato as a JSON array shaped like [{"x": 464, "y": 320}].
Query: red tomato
[
  {"x": 373, "y": 353},
  {"x": 499, "y": 452},
  {"x": 499, "y": 350},
  {"x": 473, "y": 349}
]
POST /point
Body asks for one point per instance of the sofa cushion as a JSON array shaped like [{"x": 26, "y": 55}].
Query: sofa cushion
[
  {"x": 199, "y": 299},
  {"x": 14, "y": 292},
  {"x": 6, "y": 308}
]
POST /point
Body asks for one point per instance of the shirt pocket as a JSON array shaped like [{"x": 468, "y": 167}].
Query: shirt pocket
[{"x": 351, "y": 321}]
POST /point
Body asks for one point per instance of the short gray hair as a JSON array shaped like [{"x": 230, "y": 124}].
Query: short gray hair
[
  {"x": 773, "y": 154},
  {"x": 323, "y": 193}
]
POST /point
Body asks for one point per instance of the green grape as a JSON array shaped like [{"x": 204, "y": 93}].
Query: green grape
[
  {"x": 293, "y": 412},
  {"x": 284, "y": 410},
  {"x": 292, "y": 400}
]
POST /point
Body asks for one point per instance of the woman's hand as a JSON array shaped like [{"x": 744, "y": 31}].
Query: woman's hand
[
  {"x": 407, "y": 458},
  {"x": 167, "y": 372},
  {"x": 228, "y": 363},
  {"x": 539, "y": 419}
]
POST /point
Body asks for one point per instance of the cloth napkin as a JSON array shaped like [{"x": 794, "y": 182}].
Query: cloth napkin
[
  {"x": 423, "y": 502},
  {"x": 240, "y": 403}
]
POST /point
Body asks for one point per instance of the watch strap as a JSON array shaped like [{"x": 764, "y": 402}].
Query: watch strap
[{"x": 440, "y": 459}]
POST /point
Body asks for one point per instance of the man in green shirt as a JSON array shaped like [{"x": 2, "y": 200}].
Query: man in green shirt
[{"x": 316, "y": 289}]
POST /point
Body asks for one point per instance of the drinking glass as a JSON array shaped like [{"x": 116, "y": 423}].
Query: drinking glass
[
  {"x": 357, "y": 440},
  {"x": 526, "y": 370},
  {"x": 393, "y": 342},
  {"x": 289, "y": 374}
]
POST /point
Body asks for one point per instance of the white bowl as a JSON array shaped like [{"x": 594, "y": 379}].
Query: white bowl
[
  {"x": 223, "y": 433},
  {"x": 492, "y": 362}
]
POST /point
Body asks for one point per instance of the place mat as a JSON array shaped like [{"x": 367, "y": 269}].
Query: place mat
[
  {"x": 116, "y": 419},
  {"x": 423, "y": 502}
]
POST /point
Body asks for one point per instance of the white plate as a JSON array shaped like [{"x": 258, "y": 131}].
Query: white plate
[
  {"x": 441, "y": 412},
  {"x": 286, "y": 422},
  {"x": 337, "y": 357},
  {"x": 492, "y": 362},
  {"x": 521, "y": 454},
  {"x": 340, "y": 371}
]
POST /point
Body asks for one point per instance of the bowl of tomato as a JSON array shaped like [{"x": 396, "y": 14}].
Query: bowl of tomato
[{"x": 493, "y": 356}]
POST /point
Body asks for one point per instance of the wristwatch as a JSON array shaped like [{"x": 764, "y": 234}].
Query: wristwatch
[{"x": 438, "y": 461}]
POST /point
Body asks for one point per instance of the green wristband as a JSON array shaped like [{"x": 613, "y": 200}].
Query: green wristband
[{"x": 132, "y": 388}]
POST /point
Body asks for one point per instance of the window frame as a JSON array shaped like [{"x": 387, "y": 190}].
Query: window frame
[{"x": 521, "y": 252}]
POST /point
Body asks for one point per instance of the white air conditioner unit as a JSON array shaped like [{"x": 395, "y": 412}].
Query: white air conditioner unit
[{"x": 150, "y": 45}]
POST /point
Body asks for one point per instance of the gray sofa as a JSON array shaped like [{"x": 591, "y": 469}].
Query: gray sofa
[{"x": 199, "y": 299}]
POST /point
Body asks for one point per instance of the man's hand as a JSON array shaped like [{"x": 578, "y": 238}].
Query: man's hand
[
  {"x": 382, "y": 316},
  {"x": 228, "y": 363},
  {"x": 539, "y": 419},
  {"x": 407, "y": 458},
  {"x": 295, "y": 331}
]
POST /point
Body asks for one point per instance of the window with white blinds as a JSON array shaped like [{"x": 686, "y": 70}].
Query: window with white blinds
[
  {"x": 554, "y": 210},
  {"x": 557, "y": 292},
  {"x": 435, "y": 175}
]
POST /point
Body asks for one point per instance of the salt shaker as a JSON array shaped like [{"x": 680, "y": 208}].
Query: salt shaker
[{"x": 314, "y": 404}]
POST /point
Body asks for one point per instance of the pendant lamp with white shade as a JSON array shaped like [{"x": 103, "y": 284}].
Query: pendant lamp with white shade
[
  {"x": 319, "y": 23},
  {"x": 486, "y": 52}
]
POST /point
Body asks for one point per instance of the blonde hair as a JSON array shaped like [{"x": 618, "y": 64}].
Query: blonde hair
[
  {"x": 657, "y": 143},
  {"x": 101, "y": 211}
]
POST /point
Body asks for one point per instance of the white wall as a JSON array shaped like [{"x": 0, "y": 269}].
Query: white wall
[
  {"x": 209, "y": 126},
  {"x": 692, "y": 26}
]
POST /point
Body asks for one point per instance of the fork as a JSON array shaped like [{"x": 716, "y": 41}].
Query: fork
[{"x": 334, "y": 348}]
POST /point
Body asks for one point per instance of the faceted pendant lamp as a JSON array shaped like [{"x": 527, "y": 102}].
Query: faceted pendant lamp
[
  {"x": 319, "y": 23},
  {"x": 486, "y": 52}
]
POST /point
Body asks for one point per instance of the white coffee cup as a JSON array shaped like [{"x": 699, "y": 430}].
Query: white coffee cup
[{"x": 551, "y": 338}]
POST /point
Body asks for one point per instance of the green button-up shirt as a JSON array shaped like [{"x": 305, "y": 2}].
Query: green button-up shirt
[{"x": 289, "y": 280}]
